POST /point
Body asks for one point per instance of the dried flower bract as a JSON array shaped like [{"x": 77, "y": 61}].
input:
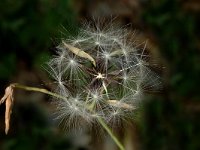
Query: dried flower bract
[{"x": 8, "y": 99}]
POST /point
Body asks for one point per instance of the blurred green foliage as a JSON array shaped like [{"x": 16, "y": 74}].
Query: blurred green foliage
[
  {"x": 171, "y": 122},
  {"x": 26, "y": 30},
  {"x": 168, "y": 126},
  {"x": 177, "y": 34}
]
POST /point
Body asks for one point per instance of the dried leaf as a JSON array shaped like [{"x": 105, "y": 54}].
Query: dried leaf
[
  {"x": 8, "y": 97},
  {"x": 119, "y": 104},
  {"x": 79, "y": 52}
]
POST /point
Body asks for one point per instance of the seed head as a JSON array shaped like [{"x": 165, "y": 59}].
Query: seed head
[{"x": 102, "y": 72}]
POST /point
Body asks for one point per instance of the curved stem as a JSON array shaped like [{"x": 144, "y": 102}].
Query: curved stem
[
  {"x": 35, "y": 89},
  {"x": 105, "y": 126}
]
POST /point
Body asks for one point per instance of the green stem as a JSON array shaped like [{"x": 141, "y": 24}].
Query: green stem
[
  {"x": 35, "y": 89},
  {"x": 45, "y": 91},
  {"x": 105, "y": 126}
]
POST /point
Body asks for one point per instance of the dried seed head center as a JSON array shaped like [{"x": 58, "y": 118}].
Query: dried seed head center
[{"x": 100, "y": 76}]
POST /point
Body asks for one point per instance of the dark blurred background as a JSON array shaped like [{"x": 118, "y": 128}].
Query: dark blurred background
[{"x": 167, "y": 120}]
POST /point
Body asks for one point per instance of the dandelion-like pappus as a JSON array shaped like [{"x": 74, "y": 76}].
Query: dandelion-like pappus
[{"x": 102, "y": 73}]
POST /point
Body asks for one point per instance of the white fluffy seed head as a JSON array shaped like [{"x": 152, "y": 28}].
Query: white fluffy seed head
[{"x": 101, "y": 73}]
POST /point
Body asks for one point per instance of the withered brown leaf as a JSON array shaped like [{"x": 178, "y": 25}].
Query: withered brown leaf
[{"x": 8, "y": 99}]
